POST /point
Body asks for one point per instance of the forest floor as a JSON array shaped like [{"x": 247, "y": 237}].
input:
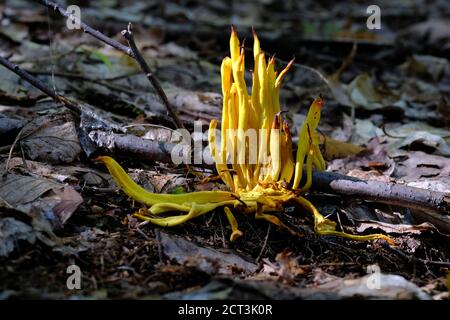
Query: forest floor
[{"x": 59, "y": 208}]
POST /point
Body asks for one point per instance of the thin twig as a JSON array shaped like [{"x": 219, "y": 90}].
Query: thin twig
[
  {"x": 438, "y": 263},
  {"x": 327, "y": 264},
  {"x": 415, "y": 259},
  {"x": 383, "y": 127},
  {"x": 128, "y": 34},
  {"x": 28, "y": 77},
  {"x": 224, "y": 243},
  {"x": 39, "y": 85},
  {"x": 348, "y": 60},
  {"x": 377, "y": 191},
  {"x": 131, "y": 51},
  {"x": 87, "y": 29},
  {"x": 264, "y": 244}
]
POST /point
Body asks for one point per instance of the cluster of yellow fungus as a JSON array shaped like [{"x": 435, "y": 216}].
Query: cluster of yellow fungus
[{"x": 259, "y": 184}]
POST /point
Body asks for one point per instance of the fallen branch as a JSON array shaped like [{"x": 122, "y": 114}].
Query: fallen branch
[
  {"x": 131, "y": 51},
  {"x": 87, "y": 29},
  {"x": 133, "y": 146},
  {"x": 390, "y": 193}
]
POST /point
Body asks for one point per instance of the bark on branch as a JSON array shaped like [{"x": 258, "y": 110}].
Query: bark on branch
[
  {"x": 133, "y": 146},
  {"x": 390, "y": 193}
]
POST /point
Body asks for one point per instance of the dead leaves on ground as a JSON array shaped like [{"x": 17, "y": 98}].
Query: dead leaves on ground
[{"x": 400, "y": 132}]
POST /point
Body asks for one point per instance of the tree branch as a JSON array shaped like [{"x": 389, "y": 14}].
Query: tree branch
[
  {"x": 131, "y": 51},
  {"x": 87, "y": 29},
  {"x": 39, "y": 85},
  {"x": 128, "y": 34}
]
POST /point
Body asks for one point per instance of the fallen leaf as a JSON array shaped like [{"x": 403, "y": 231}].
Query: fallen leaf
[
  {"x": 285, "y": 269},
  {"x": 417, "y": 165},
  {"x": 18, "y": 190},
  {"x": 39, "y": 197},
  {"x": 368, "y": 212},
  {"x": 427, "y": 139},
  {"x": 339, "y": 91},
  {"x": 196, "y": 105},
  {"x": 439, "y": 184},
  {"x": 425, "y": 65},
  {"x": 364, "y": 131},
  {"x": 9, "y": 124},
  {"x": 51, "y": 139},
  {"x": 208, "y": 260},
  {"x": 433, "y": 32},
  {"x": 375, "y": 286},
  {"x": 15, "y": 32},
  {"x": 15, "y": 90},
  {"x": 362, "y": 93},
  {"x": 373, "y": 164},
  {"x": 64, "y": 202},
  {"x": 334, "y": 149}
]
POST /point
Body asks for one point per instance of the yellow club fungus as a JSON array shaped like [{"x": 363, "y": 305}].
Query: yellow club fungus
[{"x": 259, "y": 170}]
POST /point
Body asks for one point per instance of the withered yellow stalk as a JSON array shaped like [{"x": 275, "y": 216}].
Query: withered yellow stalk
[{"x": 256, "y": 187}]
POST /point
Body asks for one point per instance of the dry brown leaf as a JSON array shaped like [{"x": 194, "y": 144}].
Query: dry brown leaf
[
  {"x": 206, "y": 259},
  {"x": 51, "y": 139},
  {"x": 396, "y": 228},
  {"x": 65, "y": 200},
  {"x": 196, "y": 105},
  {"x": 39, "y": 196}
]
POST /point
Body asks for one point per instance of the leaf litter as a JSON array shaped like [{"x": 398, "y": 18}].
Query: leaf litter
[{"x": 399, "y": 133}]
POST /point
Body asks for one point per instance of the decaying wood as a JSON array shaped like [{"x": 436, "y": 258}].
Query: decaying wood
[
  {"x": 391, "y": 193},
  {"x": 133, "y": 146}
]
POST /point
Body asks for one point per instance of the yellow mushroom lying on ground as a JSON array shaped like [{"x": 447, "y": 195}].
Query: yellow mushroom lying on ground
[{"x": 254, "y": 159}]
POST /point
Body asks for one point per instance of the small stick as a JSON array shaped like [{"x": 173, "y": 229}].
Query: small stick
[
  {"x": 128, "y": 34},
  {"x": 28, "y": 77},
  {"x": 38, "y": 84},
  {"x": 131, "y": 51}
]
